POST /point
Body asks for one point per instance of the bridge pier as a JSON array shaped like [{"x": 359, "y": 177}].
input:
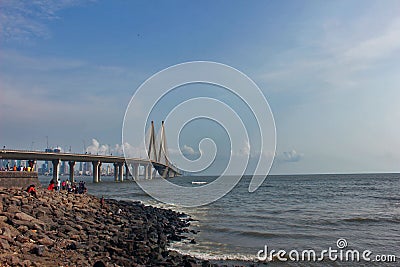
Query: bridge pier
[
  {"x": 56, "y": 168},
  {"x": 116, "y": 172},
  {"x": 121, "y": 172},
  {"x": 126, "y": 171},
  {"x": 96, "y": 171},
  {"x": 150, "y": 166},
  {"x": 165, "y": 173},
  {"x": 71, "y": 171},
  {"x": 136, "y": 171},
  {"x": 34, "y": 165},
  {"x": 99, "y": 170}
]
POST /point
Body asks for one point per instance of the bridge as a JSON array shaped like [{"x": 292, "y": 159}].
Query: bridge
[{"x": 157, "y": 160}]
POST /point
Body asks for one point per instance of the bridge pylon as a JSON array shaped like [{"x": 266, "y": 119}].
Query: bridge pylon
[{"x": 159, "y": 156}]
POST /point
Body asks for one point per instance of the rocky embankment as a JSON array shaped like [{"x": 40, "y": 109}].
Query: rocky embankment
[{"x": 60, "y": 229}]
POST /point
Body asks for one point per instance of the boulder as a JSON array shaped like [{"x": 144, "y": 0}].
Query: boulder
[
  {"x": 4, "y": 244},
  {"x": 46, "y": 241}
]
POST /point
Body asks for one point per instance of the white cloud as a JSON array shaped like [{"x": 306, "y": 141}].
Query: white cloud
[
  {"x": 13, "y": 59},
  {"x": 334, "y": 64},
  {"x": 376, "y": 47},
  {"x": 289, "y": 156},
  {"x": 188, "y": 150},
  {"x": 117, "y": 150}
]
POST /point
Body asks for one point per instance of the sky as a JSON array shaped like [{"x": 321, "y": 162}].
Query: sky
[{"x": 329, "y": 70}]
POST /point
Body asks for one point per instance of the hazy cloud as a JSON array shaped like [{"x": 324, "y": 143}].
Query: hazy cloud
[
  {"x": 188, "y": 150},
  {"x": 22, "y": 20},
  {"x": 96, "y": 148},
  {"x": 117, "y": 149},
  {"x": 289, "y": 156},
  {"x": 378, "y": 46}
]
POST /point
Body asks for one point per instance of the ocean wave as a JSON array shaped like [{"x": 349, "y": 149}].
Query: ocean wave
[
  {"x": 391, "y": 198},
  {"x": 216, "y": 256},
  {"x": 372, "y": 220}
]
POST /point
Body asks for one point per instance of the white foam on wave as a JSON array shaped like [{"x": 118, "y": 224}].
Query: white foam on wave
[
  {"x": 215, "y": 256},
  {"x": 198, "y": 182}
]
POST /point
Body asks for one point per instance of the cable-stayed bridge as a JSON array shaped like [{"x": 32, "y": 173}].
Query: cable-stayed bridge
[{"x": 157, "y": 161}]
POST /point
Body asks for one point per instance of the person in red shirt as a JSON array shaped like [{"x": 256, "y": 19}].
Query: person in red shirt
[
  {"x": 32, "y": 190},
  {"x": 51, "y": 185}
]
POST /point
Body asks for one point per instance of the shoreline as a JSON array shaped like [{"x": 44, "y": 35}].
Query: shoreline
[
  {"x": 64, "y": 229},
  {"x": 61, "y": 229}
]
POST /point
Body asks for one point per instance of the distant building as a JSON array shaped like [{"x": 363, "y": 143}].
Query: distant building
[
  {"x": 108, "y": 172},
  {"x": 87, "y": 168},
  {"x": 64, "y": 167}
]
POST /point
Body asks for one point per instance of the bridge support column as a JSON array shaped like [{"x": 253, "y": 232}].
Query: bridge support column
[
  {"x": 56, "y": 168},
  {"x": 136, "y": 171},
  {"x": 96, "y": 171},
  {"x": 126, "y": 171},
  {"x": 146, "y": 172},
  {"x": 165, "y": 173},
  {"x": 34, "y": 165},
  {"x": 116, "y": 172},
  {"x": 71, "y": 171},
  {"x": 121, "y": 172},
  {"x": 150, "y": 166},
  {"x": 99, "y": 171}
]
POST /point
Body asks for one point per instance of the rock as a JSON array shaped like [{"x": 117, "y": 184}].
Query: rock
[
  {"x": 75, "y": 237},
  {"x": 15, "y": 261},
  {"x": 24, "y": 217},
  {"x": 190, "y": 264},
  {"x": 71, "y": 246},
  {"x": 23, "y": 228},
  {"x": 9, "y": 239},
  {"x": 46, "y": 241},
  {"x": 72, "y": 230},
  {"x": 39, "y": 250},
  {"x": 40, "y": 213},
  {"x": 113, "y": 250},
  {"x": 4, "y": 244},
  {"x": 7, "y": 232},
  {"x": 22, "y": 239},
  {"x": 27, "y": 263},
  {"x": 13, "y": 209},
  {"x": 99, "y": 264}
]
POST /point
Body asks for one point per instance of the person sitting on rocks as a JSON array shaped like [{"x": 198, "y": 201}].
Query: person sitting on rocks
[
  {"x": 51, "y": 185},
  {"x": 32, "y": 190},
  {"x": 102, "y": 203},
  {"x": 63, "y": 185}
]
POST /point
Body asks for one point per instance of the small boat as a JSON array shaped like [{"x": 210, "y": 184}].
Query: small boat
[{"x": 195, "y": 182}]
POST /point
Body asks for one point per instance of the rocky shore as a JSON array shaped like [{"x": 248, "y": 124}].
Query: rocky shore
[{"x": 61, "y": 229}]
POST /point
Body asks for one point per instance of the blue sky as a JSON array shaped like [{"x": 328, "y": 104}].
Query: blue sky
[{"x": 328, "y": 69}]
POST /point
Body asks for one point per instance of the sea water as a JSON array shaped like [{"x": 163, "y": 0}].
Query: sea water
[{"x": 288, "y": 212}]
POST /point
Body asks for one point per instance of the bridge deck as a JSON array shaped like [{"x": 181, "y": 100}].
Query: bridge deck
[{"x": 49, "y": 156}]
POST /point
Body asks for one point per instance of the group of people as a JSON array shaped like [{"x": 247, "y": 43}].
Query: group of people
[
  {"x": 17, "y": 169},
  {"x": 70, "y": 187},
  {"x": 29, "y": 168},
  {"x": 73, "y": 187}
]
